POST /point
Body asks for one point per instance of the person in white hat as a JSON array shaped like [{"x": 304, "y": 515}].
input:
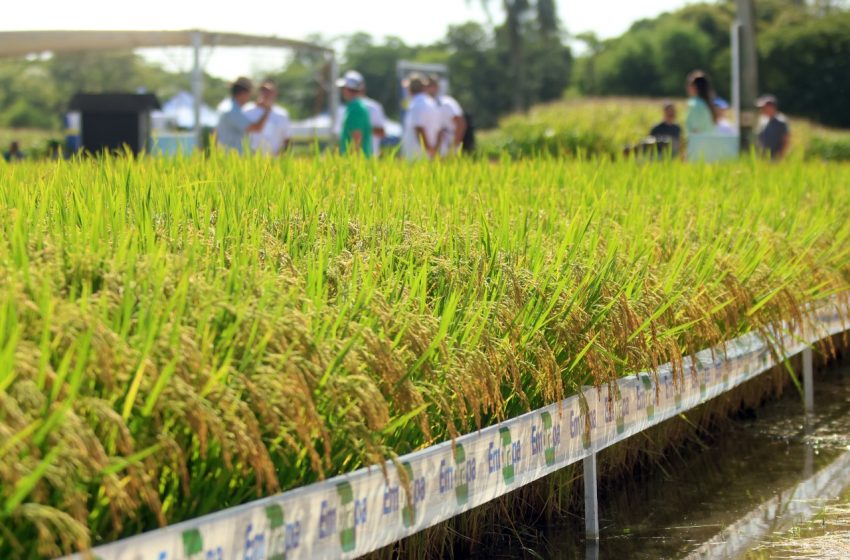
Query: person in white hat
[
  {"x": 354, "y": 81},
  {"x": 273, "y": 139}
]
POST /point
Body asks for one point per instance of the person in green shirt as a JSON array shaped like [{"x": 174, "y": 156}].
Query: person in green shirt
[
  {"x": 356, "y": 134},
  {"x": 702, "y": 114}
]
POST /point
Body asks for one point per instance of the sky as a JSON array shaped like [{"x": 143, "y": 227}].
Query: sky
[{"x": 414, "y": 22}]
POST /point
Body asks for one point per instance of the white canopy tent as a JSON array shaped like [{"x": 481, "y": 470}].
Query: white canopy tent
[
  {"x": 24, "y": 43},
  {"x": 179, "y": 111}
]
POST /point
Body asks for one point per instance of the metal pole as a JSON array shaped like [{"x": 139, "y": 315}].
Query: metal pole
[
  {"x": 808, "y": 382},
  {"x": 333, "y": 95},
  {"x": 591, "y": 505},
  {"x": 748, "y": 57},
  {"x": 197, "y": 85},
  {"x": 735, "y": 34}
]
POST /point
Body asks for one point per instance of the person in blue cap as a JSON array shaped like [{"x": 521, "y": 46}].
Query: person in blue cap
[{"x": 724, "y": 126}]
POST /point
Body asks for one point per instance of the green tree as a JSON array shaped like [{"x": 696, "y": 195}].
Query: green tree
[
  {"x": 517, "y": 34},
  {"x": 808, "y": 67},
  {"x": 629, "y": 66},
  {"x": 377, "y": 63}
]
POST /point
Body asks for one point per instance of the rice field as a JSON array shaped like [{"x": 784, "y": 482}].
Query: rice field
[
  {"x": 178, "y": 336},
  {"x": 603, "y": 126}
]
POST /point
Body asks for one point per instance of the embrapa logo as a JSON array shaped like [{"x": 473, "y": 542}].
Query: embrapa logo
[
  {"x": 545, "y": 440},
  {"x": 645, "y": 397},
  {"x": 283, "y": 537},
  {"x": 417, "y": 486},
  {"x": 344, "y": 519},
  {"x": 459, "y": 475},
  {"x": 193, "y": 544},
  {"x": 351, "y": 514},
  {"x": 671, "y": 389},
  {"x": 617, "y": 412},
  {"x": 277, "y": 532},
  {"x": 510, "y": 456}
]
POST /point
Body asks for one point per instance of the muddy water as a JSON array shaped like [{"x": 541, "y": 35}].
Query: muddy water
[{"x": 765, "y": 475}]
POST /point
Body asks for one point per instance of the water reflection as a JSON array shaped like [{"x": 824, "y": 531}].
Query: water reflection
[{"x": 752, "y": 480}]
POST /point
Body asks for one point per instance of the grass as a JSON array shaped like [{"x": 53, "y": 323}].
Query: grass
[
  {"x": 182, "y": 335},
  {"x": 604, "y": 126}
]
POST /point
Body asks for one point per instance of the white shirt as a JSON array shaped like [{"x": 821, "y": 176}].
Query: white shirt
[
  {"x": 424, "y": 113},
  {"x": 725, "y": 127},
  {"x": 377, "y": 119},
  {"x": 449, "y": 109},
  {"x": 275, "y": 133}
]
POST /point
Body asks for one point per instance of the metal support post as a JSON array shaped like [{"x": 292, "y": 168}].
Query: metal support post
[
  {"x": 808, "y": 382},
  {"x": 333, "y": 95},
  {"x": 197, "y": 86},
  {"x": 735, "y": 33},
  {"x": 748, "y": 57},
  {"x": 591, "y": 505}
]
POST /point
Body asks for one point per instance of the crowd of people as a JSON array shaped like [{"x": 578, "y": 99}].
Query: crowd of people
[
  {"x": 707, "y": 114},
  {"x": 435, "y": 125}
]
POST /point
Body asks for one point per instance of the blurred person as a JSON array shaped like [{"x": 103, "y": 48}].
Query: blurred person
[
  {"x": 54, "y": 150},
  {"x": 668, "y": 129},
  {"x": 451, "y": 114},
  {"x": 273, "y": 139},
  {"x": 702, "y": 115},
  {"x": 724, "y": 125},
  {"x": 14, "y": 153},
  {"x": 377, "y": 117},
  {"x": 774, "y": 134},
  {"x": 234, "y": 125},
  {"x": 422, "y": 122},
  {"x": 356, "y": 136}
]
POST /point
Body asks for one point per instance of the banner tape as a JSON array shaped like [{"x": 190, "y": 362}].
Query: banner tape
[{"x": 357, "y": 513}]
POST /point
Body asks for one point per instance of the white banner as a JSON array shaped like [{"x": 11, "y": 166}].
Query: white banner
[{"x": 360, "y": 512}]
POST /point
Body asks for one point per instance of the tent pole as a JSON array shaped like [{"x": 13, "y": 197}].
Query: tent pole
[
  {"x": 748, "y": 83},
  {"x": 333, "y": 95},
  {"x": 197, "y": 85}
]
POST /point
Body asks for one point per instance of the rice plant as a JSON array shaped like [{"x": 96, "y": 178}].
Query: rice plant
[{"x": 178, "y": 336}]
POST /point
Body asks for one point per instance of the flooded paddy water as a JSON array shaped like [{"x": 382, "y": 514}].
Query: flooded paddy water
[{"x": 767, "y": 481}]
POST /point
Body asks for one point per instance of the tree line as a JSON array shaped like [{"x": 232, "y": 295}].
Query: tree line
[
  {"x": 803, "y": 51},
  {"x": 527, "y": 58}
]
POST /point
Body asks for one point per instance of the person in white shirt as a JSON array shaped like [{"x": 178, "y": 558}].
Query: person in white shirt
[
  {"x": 377, "y": 118},
  {"x": 422, "y": 123},
  {"x": 451, "y": 115},
  {"x": 379, "y": 122},
  {"x": 723, "y": 124},
  {"x": 273, "y": 139}
]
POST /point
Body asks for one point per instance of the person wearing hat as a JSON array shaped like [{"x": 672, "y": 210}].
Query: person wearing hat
[
  {"x": 723, "y": 124},
  {"x": 234, "y": 125},
  {"x": 774, "y": 134},
  {"x": 422, "y": 122},
  {"x": 377, "y": 117},
  {"x": 273, "y": 139},
  {"x": 356, "y": 135},
  {"x": 451, "y": 113}
]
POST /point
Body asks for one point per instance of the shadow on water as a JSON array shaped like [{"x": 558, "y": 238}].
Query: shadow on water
[{"x": 761, "y": 476}]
